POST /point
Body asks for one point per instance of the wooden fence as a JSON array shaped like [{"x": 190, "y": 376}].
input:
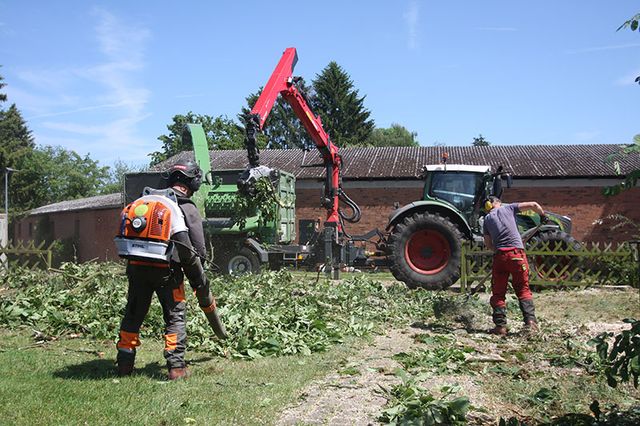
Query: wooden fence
[
  {"x": 27, "y": 254},
  {"x": 553, "y": 264}
]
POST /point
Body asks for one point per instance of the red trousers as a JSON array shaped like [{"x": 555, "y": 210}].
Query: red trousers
[{"x": 512, "y": 261}]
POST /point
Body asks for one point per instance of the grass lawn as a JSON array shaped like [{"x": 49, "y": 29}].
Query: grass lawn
[{"x": 72, "y": 381}]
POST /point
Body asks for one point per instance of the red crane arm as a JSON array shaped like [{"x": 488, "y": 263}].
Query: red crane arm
[{"x": 281, "y": 82}]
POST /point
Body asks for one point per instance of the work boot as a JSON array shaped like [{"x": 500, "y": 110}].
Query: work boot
[
  {"x": 125, "y": 360},
  {"x": 500, "y": 320},
  {"x": 125, "y": 368},
  {"x": 499, "y": 330},
  {"x": 531, "y": 327},
  {"x": 179, "y": 373}
]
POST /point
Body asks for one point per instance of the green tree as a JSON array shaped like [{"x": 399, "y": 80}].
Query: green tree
[
  {"x": 282, "y": 129},
  {"x": 341, "y": 108},
  {"x": 3, "y": 96},
  {"x": 633, "y": 148},
  {"x": 53, "y": 174},
  {"x": 396, "y": 135},
  {"x": 480, "y": 141},
  {"x": 16, "y": 148},
  {"x": 115, "y": 179},
  {"x": 221, "y": 132}
]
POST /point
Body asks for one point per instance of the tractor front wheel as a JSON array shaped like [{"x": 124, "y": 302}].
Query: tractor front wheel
[{"x": 424, "y": 251}]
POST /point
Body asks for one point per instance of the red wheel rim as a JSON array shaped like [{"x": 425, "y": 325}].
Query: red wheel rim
[{"x": 427, "y": 252}]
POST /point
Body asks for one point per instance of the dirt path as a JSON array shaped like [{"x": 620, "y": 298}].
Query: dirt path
[
  {"x": 353, "y": 399},
  {"x": 498, "y": 375}
]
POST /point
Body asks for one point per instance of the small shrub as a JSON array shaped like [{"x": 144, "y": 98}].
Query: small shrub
[
  {"x": 622, "y": 363},
  {"x": 410, "y": 403}
]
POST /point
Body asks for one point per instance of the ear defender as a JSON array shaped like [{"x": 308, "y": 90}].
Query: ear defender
[{"x": 488, "y": 206}]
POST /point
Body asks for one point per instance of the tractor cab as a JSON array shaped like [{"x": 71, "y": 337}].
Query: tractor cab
[{"x": 463, "y": 187}]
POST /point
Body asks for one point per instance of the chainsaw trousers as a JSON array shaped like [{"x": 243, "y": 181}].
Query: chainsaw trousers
[
  {"x": 167, "y": 283},
  {"x": 511, "y": 262}
]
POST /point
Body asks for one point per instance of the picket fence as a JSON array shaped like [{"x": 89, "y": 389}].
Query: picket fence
[{"x": 555, "y": 264}]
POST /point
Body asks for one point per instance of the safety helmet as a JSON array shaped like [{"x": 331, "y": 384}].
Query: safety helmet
[{"x": 187, "y": 173}]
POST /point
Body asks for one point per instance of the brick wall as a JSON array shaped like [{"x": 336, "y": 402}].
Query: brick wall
[
  {"x": 584, "y": 205},
  {"x": 93, "y": 230}
]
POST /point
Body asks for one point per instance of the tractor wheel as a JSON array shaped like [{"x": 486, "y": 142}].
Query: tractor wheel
[
  {"x": 243, "y": 261},
  {"x": 555, "y": 268},
  {"x": 424, "y": 251}
]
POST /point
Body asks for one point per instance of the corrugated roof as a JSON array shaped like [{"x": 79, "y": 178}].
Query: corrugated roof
[
  {"x": 97, "y": 202},
  {"x": 523, "y": 161}
]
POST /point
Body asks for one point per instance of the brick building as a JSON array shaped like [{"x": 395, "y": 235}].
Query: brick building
[{"x": 565, "y": 179}]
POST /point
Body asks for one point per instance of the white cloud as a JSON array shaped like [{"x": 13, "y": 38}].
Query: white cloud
[
  {"x": 411, "y": 17},
  {"x": 112, "y": 86},
  {"x": 604, "y": 48}
]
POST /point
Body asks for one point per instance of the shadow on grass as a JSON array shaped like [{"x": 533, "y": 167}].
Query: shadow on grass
[{"x": 104, "y": 369}]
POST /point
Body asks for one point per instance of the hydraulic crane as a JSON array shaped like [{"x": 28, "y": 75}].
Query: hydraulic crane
[{"x": 282, "y": 82}]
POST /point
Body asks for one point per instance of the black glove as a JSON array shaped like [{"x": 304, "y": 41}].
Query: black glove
[{"x": 544, "y": 219}]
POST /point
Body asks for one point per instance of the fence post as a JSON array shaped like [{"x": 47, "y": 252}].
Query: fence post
[
  {"x": 636, "y": 253},
  {"x": 463, "y": 267},
  {"x": 4, "y": 240}
]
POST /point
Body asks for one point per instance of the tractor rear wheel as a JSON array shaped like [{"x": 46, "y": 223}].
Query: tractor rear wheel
[
  {"x": 555, "y": 268},
  {"x": 424, "y": 251}
]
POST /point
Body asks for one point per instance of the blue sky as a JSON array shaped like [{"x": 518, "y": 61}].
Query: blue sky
[{"x": 106, "y": 78}]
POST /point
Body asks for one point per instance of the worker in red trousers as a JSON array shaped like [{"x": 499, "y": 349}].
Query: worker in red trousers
[{"x": 502, "y": 237}]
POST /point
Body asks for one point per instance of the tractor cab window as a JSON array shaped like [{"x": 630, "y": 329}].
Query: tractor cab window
[{"x": 458, "y": 188}]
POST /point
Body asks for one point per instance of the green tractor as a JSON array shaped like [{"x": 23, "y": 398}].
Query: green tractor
[{"x": 425, "y": 237}]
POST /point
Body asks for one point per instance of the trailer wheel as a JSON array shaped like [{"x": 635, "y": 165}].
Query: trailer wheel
[
  {"x": 424, "y": 251},
  {"x": 244, "y": 261}
]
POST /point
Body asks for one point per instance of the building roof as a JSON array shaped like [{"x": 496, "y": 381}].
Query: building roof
[
  {"x": 91, "y": 203},
  {"x": 523, "y": 161}
]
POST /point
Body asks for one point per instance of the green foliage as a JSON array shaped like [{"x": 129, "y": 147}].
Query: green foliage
[
  {"x": 266, "y": 315},
  {"x": 622, "y": 363},
  {"x": 263, "y": 201},
  {"x": 609, "y": 416},
  {"x": 283, "y": 129},
  {"x": 411, "y": 404},
  {"x": 15, "y": 151},
  {"x": 480, "y": 141},
  {"x": 440, "y": 360},
  {"x": 221, "y": 133},
  {"x": 632, "y": 24},
  {"x": 3, "y": 96},
  {"x": 573, "y": 355},
  {"x": 396, "y": 135},
  {"x": 44, "y": 174},
  {"x": 341, "y": 108},
  {"x": 631, "y": 178},
  {"x": 333, "y": 97},
  {"x": 55, "y": 174},
  {"x": 115, "y": 180}
]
